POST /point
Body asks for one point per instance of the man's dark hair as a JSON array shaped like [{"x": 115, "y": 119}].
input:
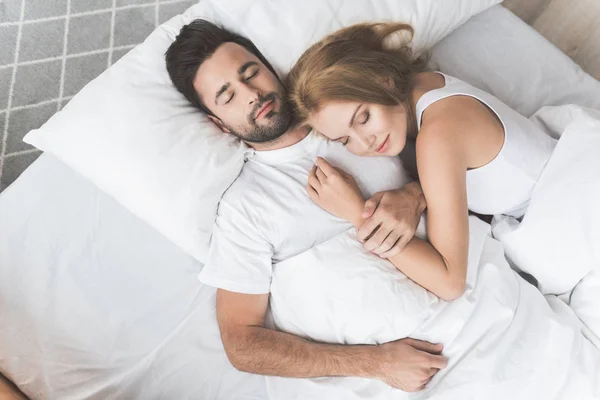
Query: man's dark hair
[{"x": 196, "y": 42}]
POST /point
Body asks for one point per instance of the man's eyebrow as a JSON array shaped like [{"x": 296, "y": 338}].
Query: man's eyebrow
[
  {"x": 354, "y": 115},
  {"x": 221, "y": 91},
  {"x": 247, "y": 65}
]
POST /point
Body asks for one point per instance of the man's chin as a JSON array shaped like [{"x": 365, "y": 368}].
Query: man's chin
[{"x": 263, "y": 139}]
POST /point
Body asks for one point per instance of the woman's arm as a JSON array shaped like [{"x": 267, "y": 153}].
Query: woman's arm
[
  {"x": 441, "y": 160},
  {"x": 335, "y": 191}
]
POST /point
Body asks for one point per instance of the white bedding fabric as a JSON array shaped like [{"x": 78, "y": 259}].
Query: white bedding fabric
[
  {"x": 501, "y": 334},
  {"x": 131, "y": 133},
  {"x": 95, "y": 304},
  {"x": 558, "y": 240}
]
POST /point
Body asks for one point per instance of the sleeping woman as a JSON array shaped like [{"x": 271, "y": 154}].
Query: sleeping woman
[{"x": 361, "y": 88}]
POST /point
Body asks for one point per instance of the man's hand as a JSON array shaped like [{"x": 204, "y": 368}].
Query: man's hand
[
  {"x": 409, "y": 364},
  {"x": 405, "y": 364},
  {"x": 391, "y": 219}
]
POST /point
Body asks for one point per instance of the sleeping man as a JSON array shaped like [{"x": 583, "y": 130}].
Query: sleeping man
[
  {"x": 501, "y": 334},
  {"x": 266, "y": 215}
]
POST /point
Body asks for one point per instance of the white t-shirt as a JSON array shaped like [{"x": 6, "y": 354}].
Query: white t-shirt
[{"x": 266, "y": 215}]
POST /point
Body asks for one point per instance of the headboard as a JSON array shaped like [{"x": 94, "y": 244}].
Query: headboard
[{"x": 571, "y": 25}]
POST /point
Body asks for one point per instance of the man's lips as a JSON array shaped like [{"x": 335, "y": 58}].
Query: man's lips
[
  {"x": 383, "y": 146},
  {"x": 264, "y": 109}
]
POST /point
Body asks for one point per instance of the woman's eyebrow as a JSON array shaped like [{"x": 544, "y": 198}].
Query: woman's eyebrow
[{"x": 354, "y": 115}]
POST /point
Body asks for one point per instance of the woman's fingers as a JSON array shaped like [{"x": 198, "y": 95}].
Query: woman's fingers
[
  {"x": 312, "y": 178},
  {"x": 325, "y": 166},
  {"x": 312, "y": 193},
  {"x": 321, "y": 175}
]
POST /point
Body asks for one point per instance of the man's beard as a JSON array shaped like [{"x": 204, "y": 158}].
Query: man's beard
[{"x": 280, "y": 120}]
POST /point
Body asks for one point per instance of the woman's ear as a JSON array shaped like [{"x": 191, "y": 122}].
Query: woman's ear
[{"x": 219, "y": 123}]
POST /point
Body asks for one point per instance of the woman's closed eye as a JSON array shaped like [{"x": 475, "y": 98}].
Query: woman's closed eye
[
  {"x": 343, "y": 140},
  {"x": 366, "y": 117}
]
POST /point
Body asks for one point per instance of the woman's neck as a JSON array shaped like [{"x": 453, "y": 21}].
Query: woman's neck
[{"x": 424, "y": 82}]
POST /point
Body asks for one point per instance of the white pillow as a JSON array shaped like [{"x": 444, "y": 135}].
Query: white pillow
[
  {"x": 132, "y": 134},
  {"x": 282, "y": 30}
]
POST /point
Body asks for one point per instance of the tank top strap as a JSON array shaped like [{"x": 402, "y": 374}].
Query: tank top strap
[{"x": 434, "y": 95}]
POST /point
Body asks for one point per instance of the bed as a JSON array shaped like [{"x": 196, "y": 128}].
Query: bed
[{"x": 66, "y": 248}]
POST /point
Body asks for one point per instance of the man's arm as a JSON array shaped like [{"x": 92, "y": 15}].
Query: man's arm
[
  {"x": 391, "y": 219},
  {"x": 406, "y": 364}
]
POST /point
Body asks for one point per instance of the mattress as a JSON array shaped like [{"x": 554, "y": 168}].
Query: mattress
[{"x": 96, "y": 304}]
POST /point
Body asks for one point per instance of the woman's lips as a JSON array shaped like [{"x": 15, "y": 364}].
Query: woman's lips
[
  {"x": 264, "y": 109},
  {"x": 383, "y": 146}
]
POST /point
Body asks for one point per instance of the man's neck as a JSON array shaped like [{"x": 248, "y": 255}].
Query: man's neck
[{"x": 289, "y": 138}]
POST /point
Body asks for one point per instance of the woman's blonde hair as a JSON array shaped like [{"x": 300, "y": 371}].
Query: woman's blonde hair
[{"x": 369, "y": 62}]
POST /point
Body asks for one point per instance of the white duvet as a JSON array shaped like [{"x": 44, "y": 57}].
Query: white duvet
[
  {"x": 504, "y": 339},
  {"x": 558, "y": 240}
]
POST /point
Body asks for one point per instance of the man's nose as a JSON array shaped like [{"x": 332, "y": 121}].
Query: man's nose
[{"x": 253, "y": 93}]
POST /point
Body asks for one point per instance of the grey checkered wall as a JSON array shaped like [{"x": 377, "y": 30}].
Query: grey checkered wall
[{"x": 50, "y": 49}]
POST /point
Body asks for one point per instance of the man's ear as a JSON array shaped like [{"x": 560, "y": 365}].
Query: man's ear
[{"x": 219, "y": 123}]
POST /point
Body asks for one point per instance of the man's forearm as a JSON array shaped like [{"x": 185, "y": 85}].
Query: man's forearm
[{"x": 263, "y": 351}]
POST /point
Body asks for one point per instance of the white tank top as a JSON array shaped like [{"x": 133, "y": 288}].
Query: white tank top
[{"x": 504, "y": 185}]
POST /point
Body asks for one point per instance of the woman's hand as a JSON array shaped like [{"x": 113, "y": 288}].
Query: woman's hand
[
  {"x": 393, "y": 218},
  {"x": 336, "y": 192}
]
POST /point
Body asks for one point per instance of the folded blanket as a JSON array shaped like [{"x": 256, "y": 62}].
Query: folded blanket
[
  {"x": 504, "y": 340},
  {"x": 558, "y": 240}
]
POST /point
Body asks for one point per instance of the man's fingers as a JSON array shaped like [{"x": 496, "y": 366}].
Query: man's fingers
[
  {"x": 421, "y": 387},
  {"x": 367, "y": 229},
  {"x": 438, "y": 361},
  {"x": 426, "y": 380},
  {"x": 398, "y": 247},
  {"x": 387, "y": 244},
  {"x": 324, "y": 166},
  {"x": 377, "y": 238},
  {"x": 401, "y": 244},
  {"x": 391, "y": 252},
  {"x": 371, "y": 205},
  {"x": 433, "y": 348}
]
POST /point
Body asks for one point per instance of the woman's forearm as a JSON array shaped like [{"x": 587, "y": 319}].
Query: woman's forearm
[{"x": 422, "y": 263}]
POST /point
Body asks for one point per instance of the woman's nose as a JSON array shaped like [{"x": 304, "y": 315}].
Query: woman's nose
[{"x": 366, "y": 141}]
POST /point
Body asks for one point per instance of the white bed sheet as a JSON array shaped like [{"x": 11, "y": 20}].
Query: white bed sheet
[
  {"x": 119, "y": 309},
  {"x": 123, "y": 313}
]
